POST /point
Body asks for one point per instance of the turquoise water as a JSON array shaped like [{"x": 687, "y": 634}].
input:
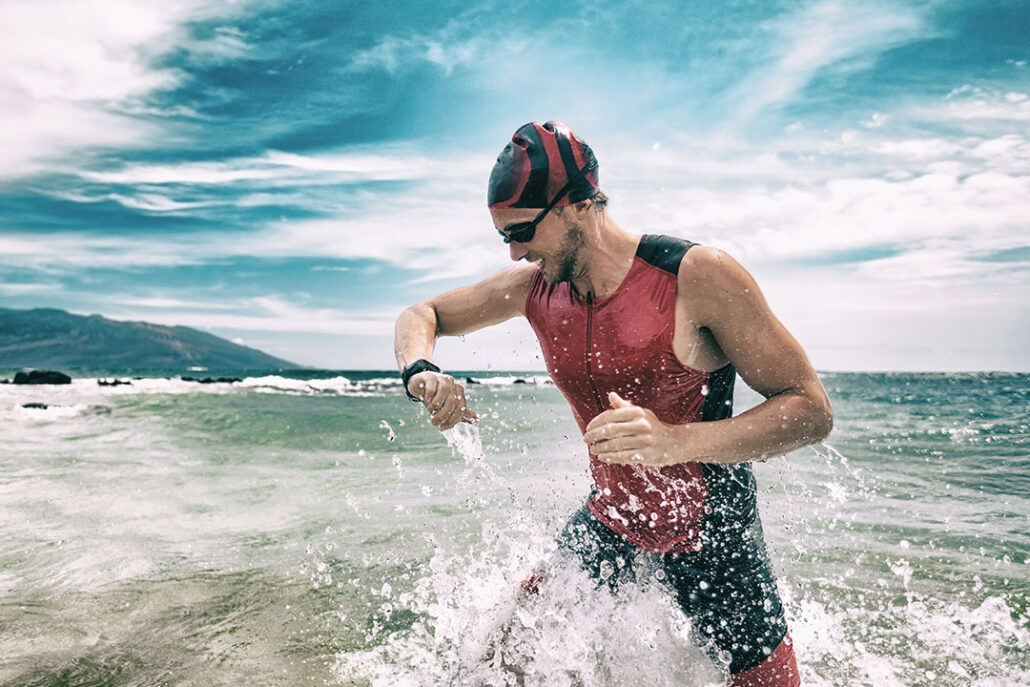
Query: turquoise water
[{"x": 311, "y": 528}]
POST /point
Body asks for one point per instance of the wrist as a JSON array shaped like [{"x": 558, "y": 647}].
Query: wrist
[
  {"x": 682, "y": 444},
  {"x": 420, "y": 365}
]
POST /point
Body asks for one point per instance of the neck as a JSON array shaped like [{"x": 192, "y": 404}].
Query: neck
[{"x": 607, "y": 260}]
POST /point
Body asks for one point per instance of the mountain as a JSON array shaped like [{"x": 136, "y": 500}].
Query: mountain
[{"x": 45, "y": 337}]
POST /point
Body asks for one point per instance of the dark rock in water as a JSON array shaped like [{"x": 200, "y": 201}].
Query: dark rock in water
[
  {"x": 42, "y": 377},
  {"x": 212, "y": 380},
  {"x": 39, "y": 406},
  {"x": 469, "y": 380},
  {"x": 520, "y": 381},
  {"x": 114, "y": 382}
]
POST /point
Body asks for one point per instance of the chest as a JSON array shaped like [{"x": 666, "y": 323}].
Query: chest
[{"x": 623, "y": 343}]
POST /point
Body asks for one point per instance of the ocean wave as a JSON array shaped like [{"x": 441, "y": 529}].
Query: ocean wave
[
  {"x": 93, "y": 389},
  {"x": 511, "y": 380},
  {"x": 37, "y": 410}
]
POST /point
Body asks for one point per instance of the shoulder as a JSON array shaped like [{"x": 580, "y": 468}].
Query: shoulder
[
  {"x": 704, "y": 263},
  {"x": 714, "y": 282},
  {"x": 693, "y": 264},
  {"x": 663, "y": 252}
]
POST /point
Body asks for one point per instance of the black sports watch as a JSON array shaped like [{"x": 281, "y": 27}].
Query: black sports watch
[{"x": 420, "y": 365}]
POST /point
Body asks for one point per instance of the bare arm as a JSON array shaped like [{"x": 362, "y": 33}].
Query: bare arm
[
  {"x": 726, "y": 300},
  {"x": 497, "y": 298}
]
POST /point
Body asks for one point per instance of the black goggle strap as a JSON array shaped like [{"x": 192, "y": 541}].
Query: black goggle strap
[{"x": 519, "y": 231}]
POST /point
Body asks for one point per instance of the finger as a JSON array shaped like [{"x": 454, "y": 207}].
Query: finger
[
  {"x": 442, "y": 394},
  {"x": 451, "y": 419},
  {"x": 615, "y": 416},
  {"x": 467, "y": 415},
  {"x": 627, "y": 458},
  {"x": 417, "y": 386},
  {"x": 431, "y": 385},
  {"x": 617, "y": 401},
  {"x": 599, "y": 420},
  {"x": 451, "y": 406},
  {"x": 454, "y": 407},
  {"x": 635, "y": 442},
  {"x": 450, "y": 414},
  {"x": 629, "y": 426}
]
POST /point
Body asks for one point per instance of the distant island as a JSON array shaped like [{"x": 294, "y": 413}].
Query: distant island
[{"x": 47, "y": 337}]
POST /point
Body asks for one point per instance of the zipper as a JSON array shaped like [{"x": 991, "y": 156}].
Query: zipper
[{"x": 590, "y": 353}]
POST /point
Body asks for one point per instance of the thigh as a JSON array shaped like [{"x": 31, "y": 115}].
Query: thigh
[
  {"x": 731, "y": 597},
  {"x": 604, "y": 554}
]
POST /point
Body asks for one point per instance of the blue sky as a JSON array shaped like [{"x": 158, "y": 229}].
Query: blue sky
[{"x": 291, "y": 175}]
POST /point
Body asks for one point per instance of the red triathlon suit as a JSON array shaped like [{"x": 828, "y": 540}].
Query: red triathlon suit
[{"x": 698, "y": 521}]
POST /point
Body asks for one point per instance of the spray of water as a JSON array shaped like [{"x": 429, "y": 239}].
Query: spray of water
[{"x": 477, "y": 626}]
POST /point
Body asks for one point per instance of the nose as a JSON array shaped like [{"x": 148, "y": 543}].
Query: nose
[{"x": 517, "y": 250}]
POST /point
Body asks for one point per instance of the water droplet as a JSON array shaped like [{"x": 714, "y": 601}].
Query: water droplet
[{"x": 390, "y": 435}]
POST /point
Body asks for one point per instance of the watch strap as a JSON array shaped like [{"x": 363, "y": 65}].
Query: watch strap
[{"x": 420, "y": 365}]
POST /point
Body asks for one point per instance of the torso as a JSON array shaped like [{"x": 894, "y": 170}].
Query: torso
[{"x": 639, "y": 342}]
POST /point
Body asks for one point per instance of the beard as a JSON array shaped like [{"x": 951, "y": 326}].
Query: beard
[{"x": 567, "y": 260}]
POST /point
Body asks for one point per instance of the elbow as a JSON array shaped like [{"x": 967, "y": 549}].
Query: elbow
[
  {"x": 421, "y": 313},
  {"x": 821, "y": 419}
]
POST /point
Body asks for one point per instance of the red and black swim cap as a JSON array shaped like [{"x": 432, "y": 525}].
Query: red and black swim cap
[{"x": 537, "y": 163}]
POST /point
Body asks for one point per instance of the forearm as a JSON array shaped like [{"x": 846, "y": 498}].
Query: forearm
[
  {"x": 415, "y": 334},
  {"x": 777, "y": 426}
]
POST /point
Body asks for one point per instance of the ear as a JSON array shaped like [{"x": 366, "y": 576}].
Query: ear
[{"x": 582, "y": 206}]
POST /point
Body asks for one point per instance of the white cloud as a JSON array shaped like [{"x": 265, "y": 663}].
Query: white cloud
[
  {"x": 262, "y": 314},
  {"x": 278, "y": 169},
  {"x": 825, "y": 197},
  {"x": 75, "y": 70},
  {"x": 917, "y": 212},
  {"x": 23, "y": 288},
  {"x": 797, "y": 199},
  {"x": 191, "y": 173},
  {"x": 970, "y": 102},
  {"x": 820, "y": 35},
  {"x": 66, "y": 251},
  {"x": 158, "y": 302},
  {"x": 448, "y": 48}
]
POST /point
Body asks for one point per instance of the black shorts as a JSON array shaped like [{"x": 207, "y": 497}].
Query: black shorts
[{"x": 727, "y": 590}]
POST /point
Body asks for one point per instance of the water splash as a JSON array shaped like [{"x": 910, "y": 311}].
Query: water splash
[
  {"x": 475, "y": 626},
  {"x": 390, "y": 435},
  {"x": 883, "y": 617}
]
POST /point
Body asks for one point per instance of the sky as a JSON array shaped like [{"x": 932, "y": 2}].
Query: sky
[{"x": 292, "y": 175}]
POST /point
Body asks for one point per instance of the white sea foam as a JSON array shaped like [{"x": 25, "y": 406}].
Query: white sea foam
[
  {"x": 92, "y": 390},
  {"x": 920, "y": 641},
  {"x": 512, "y": 380},
  {"x": 475, "y": 622},
  {"x": 57, "y": 412}
]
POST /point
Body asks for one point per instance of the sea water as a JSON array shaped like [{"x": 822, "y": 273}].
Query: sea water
[{"x": 313, "y": 528}]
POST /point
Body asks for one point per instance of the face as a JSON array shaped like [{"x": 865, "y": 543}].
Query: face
[{"x": 556, "y": 246}]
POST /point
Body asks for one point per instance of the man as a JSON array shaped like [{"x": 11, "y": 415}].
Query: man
[{"x": 644, "y": 336}]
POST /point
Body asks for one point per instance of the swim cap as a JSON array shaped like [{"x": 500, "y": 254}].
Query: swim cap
[{"x": 537, "y": 163}]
